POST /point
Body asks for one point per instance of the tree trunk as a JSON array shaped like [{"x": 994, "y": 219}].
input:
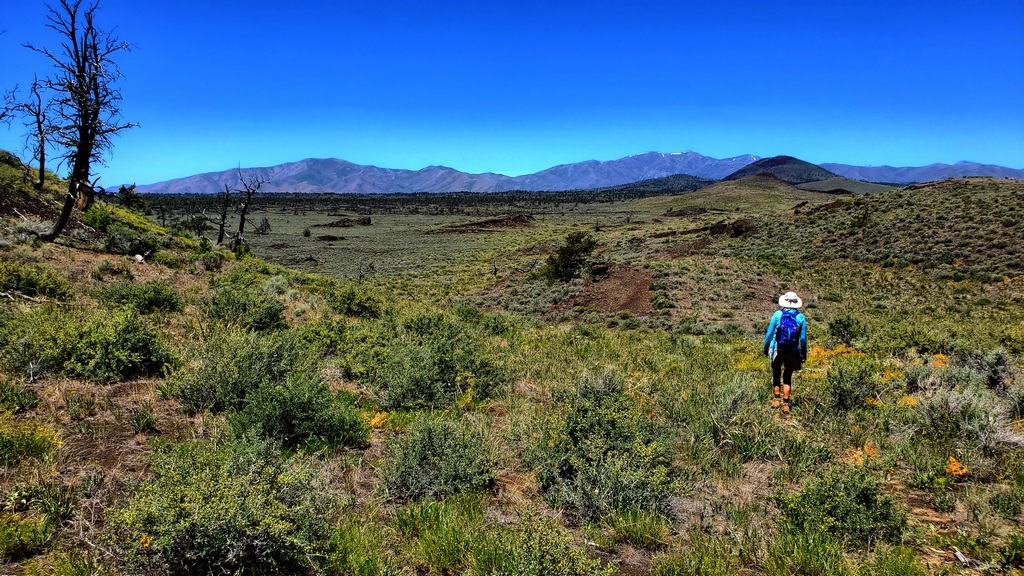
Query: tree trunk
[
  {"x": 223, "y": 215},
  {"x": 239, "y": 239},
  {"x": 79, "y": 174},
  {"x": 42, "y": 169},
  {"x": 65, "y": 215}
]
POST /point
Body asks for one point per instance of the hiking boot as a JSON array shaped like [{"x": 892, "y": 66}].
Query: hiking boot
[
  {"x": 777, "y": 402},
  {"x": 785, "y": 407}
]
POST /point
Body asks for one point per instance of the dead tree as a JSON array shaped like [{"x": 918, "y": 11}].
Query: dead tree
[
  {"x": 86, "y": 111},
  {"x": 250, "y": 187},
  {"x": 263, "y": 228},
  {"x": 36, "y": 111},
  {"x": 222, "y": 215}
]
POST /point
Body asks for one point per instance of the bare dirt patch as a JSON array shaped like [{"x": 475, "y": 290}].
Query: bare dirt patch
[
  {"x": 688, "y": 248},
  {"x": 615, "y": 288}
]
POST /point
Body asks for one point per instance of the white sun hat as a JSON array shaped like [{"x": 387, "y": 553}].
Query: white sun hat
[{"x": 790, "y": 300}]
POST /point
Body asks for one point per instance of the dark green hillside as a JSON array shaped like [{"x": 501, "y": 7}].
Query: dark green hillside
[
  {"x": 785, "y": 168},
  {"x": 955, "y": 229},
  {"x": 674, "y": 184}
]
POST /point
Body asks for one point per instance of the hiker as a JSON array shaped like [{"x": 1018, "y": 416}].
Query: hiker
[{"x": 785, "y": 344}]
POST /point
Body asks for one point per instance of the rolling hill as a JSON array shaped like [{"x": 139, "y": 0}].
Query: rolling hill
[{"x": 786, "y": 168}]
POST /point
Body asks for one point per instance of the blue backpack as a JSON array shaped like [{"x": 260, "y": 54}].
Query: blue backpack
[{"x": 787, "y": 337}]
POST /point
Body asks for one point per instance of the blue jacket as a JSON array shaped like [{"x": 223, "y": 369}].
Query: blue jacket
[{"x": 773, "y": 327}]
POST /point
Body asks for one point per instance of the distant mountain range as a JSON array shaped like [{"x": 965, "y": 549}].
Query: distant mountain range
[
  {"x": 929, "y": 173},
  {"x": 339, "y": 176}
]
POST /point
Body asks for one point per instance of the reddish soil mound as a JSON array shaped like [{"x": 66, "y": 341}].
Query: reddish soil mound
[
  {"x": 616, "y": 288},
  {"x": 490, "y": 224}
]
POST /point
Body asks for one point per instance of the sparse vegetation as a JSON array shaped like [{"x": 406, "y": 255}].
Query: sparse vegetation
[{"x": 430, "y": 404}]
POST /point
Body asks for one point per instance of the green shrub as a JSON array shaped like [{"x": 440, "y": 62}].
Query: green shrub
[
  {"x": 98, "y": 216},
  {"x": 96, "y": 345},
  {"x": 427, "y": 360},
  {"x": 846, "y": 329},
  {"x": 994, "y": 366},
  {"x": 323, "y": 338},
  {"x": 434, "y": 458},
  {"x": 600, "y": 453},
  {"x": 570, "y": 259},
  {"x": 300, "y": 409},
  {"x": 248, "y": 308},
  {"x": 355, "y": 299},
  {"x": 20, "y": 440},
  {"x": 21, "y": 537},
  {"x": 851, "y": 381},
  {"x": 966, "y": 417},
  {"x": 536, "y": 547},
  {"x": 16, "y": 398},
  {"x": 122, "y": 239},
  {"x": 846, "y": 503},
  {"x": 893, "y": 561},
  {"x": 805, "y": 552},
  {"x": 117, "y": 347},
  {"x": 33, "y": 280},
  {"x": 232, "y": 363},
  {"x": 223, "y": 508},
  {"x": 148, "y": 297}
]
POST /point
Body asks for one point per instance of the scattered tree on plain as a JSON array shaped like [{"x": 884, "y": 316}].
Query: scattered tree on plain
[{"x": 250, "y": 187}]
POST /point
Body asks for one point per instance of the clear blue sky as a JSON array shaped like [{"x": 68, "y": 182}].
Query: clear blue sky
[{"x": 518, "y": 86}]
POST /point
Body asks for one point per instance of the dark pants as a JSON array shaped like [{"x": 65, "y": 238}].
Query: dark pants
[{"x": 783, "y": 365}]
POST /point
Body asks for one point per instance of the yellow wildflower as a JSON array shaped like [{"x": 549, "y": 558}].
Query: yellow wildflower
[
  {"x": 955, "y": 469},
  {"x": 378, "y": 420},
  {"x": 870, "y": 450},
  {"x": 907, "y": 401}
]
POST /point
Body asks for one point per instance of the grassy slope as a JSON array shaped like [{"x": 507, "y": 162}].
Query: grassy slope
[
  {"x": 758, "y": 193},
  {"x": 695, "y": 369}
]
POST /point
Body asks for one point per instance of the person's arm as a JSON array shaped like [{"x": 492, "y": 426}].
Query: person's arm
[
  {"x": 803, "y": 339},
  {"x": 770, "y": 334}
]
